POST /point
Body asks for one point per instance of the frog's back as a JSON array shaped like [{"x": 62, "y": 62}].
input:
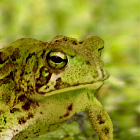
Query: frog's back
[{"x": 17, "y": 53}]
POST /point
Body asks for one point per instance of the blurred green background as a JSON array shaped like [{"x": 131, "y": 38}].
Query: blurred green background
[{"x": 117, "y": 23}]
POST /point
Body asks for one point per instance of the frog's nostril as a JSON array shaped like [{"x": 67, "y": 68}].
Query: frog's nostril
[{"x": 100, "y": 50}]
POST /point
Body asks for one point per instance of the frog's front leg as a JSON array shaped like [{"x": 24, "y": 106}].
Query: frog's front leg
[{"x": 100, "y": 120}]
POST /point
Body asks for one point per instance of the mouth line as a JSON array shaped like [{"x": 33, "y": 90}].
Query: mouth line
[{"x": 92, "y": 86}]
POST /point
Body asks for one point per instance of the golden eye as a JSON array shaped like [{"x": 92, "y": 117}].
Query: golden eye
[{"x": 56, "y": 59}]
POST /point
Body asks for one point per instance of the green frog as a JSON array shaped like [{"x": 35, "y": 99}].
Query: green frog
[{"x": 43, "y": 84}]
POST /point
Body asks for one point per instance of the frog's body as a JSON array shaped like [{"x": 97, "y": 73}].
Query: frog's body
[{"x": 43, "y": 84}]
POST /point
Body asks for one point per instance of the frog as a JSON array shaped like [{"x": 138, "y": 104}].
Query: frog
[{"x": 43, "y": 84}]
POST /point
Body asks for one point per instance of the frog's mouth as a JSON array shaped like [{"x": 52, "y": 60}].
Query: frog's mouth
[{"x": 90, "y": 86}]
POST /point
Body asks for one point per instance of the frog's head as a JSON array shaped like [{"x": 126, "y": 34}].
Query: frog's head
[{"x": 71, "y": 64}]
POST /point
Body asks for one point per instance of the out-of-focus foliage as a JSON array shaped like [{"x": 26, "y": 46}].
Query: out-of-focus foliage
[{"x": 117, "y": 23}]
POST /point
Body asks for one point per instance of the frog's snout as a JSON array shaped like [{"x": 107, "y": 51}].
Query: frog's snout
[{"x": 102, "y": 74}]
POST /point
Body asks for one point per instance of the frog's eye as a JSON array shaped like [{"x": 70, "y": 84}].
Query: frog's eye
[
  {"x": 56, "y": 60},
  {"x": 100, "y": 50}
]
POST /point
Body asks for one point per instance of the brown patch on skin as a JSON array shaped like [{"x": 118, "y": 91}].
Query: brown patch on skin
[
  {"x": 44, "y": 43},
  {"x": 81, "y": 42},
  {"x": 7, "y": 79},
  {"x": 22, "y": 97},
  {"x": 16, "y": 130},
  {"x": 68, "y": 111},
  {"x": 58, "y": 83},
  {"x": 14, "y": 110},
  {"x": 43, "y": 53},
  {"x": 65, "y": 38},
  {"x": 26, "y": 106},
  {"x": 96, "y": 74},
  {"x": 1, "y": 112},
  {"x": 106, "y": 130},
  {"x": 3, "y": 58},
  {"x": 36, "y": 103},
  {"x": 41, "y": 112},
  {"x": 21, "y": 121},
  {"x": 57, "y": 41},
  {"x": 88, "y": 63},
  {"x": 70, "y": 107},
  {"x": 30, "y": 115},
  {"x": 67, "y": 114},
  {"x": 102, "y": 73},
  {"x": 30, "y": 56},
  {"x": 100, "y": 120},
  {"x": 74, "y": 43},
  {"x": 15, "y": 55},
  {"x": 37, "y": 132}
]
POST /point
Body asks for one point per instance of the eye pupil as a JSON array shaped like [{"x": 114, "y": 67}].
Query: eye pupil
[{"x": 56, "y": 59}]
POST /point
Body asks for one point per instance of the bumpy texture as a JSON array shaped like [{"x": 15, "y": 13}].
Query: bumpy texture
[{"x": 42, "y": 84}]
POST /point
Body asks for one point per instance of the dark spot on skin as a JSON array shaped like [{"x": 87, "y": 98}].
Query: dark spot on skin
[
  {"x": 16, "y": 130},
  {"x": 3, "y": 58},
  {"x": 21, "y": 120},
  {"x": 37, "y": 134},
  {"x": 1, "y": 129},
  {"x": 37, "y": 131},
  {"x": 38, "y": 85},
  {"x": 26, "y": 106},
  {"x": 88, "y": 63},
  {"x": 96, "y": 74},
  {"x": 21, "y": 97},
  {"x": 15, "y": 55},
  {"x": 7, "y": 79},
  {"x": 14, "y": 110},
  {"x": 44, "y": 43},
  {"x": 1, "y": 112},
  {"x": 81, "y": 42},
  {"x": 67, "y": 114},
  {"x": 41, "y": 112},
  {"x": 106, "y": 130},
  {"x": 70, "y": 107},
  {"x": 37, "y": 104},
  {"x": 56, "y": 41},
  {"x": 99, "y": 118},
  {"x": 11, "y": 76},
  {"x": 102, "y": 72},
  {"x": 58, "y": 83},
  {"x": 30, "y": 115},
  {"x": 30, "y": 89},
  {"x": 76, "y": 84},
  {"x": 29, "y": 56},
  {"x": 43, "y": 53},
  {"x": 65, "y": 39},
  {"x": 4, "y": 120},
  {"x": 74, "y": 42},
  {"x": 68, "y": 111}
]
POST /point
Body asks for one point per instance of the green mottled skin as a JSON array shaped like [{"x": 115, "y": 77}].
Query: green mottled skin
[{"x": 43, "y": 84}]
